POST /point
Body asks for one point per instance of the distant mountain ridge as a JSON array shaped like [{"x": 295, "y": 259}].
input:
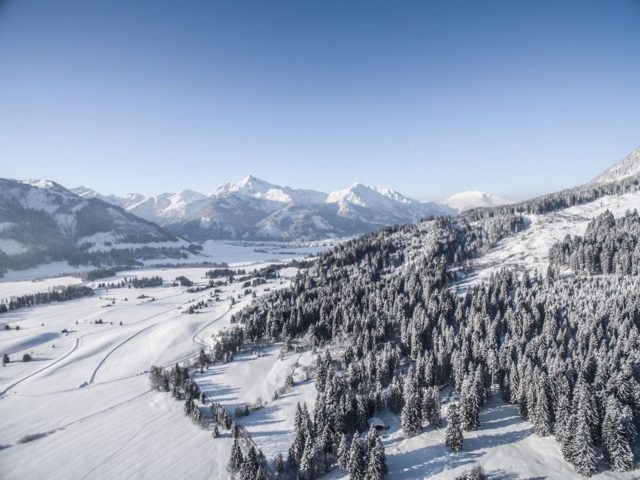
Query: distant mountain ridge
[
  {"x": 254, "y": 209},
  {"x": 41, "y": 221}
]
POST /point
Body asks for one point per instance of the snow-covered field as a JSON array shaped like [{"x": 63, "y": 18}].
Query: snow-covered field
[{"x": 82, "y": 408}]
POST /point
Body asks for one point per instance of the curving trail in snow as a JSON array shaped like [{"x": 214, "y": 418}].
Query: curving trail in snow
[
  {"x": 130, "y": 338},
  {"x": 46, "y": 367}
]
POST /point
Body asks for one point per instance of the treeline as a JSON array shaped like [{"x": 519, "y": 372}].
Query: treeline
[
  {"x": 146, "y": 282},
  {"x": 609, "y": 246},
  {"x": 560, "y": 200},
  {"x": 62, "y": 294}
]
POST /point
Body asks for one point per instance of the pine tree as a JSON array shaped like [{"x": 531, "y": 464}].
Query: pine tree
[
  {"x": 453, "y": 435},
  {"x": 344, "y": 452},
  {"x": 370, "y": 440},
  {"x": 278, "y": 464},
  {"x": 250, "y": 466},
  {"x": 357, "y": 467},
  {"x": 306, "y": 470},
  {"x": 411, "y": 415},
  {"x": 237, "y": 459},
  {"x": 583, "y": 455},
  {"x": 469, "y": 406},
  {"x": 618, "y": 431},
  {"x": 432, "y": 415},
  {"x": 542, "y": 411},
  {"x": 377, "y": 465}
]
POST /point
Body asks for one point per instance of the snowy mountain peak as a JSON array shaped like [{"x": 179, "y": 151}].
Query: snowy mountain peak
[
  {"x": 367, "y": 196},
  {"x": 47, "y": 185},
  {"x": 249, "y": 185},
  {"x": 625, "y": 168},
  {"x": 475, "y": 199}
]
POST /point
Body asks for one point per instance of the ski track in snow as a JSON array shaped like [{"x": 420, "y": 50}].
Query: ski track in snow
[{"x": 75, "y": 347}]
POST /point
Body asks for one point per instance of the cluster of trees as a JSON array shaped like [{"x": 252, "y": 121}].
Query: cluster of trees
[
  {"x": 317, "y": 446},
  {"x": 196, "y": 306},
  {"x": 565, "y": 351},
  {"x": 54, "y": 295},
  {"x": 564, "y": 199},
  {"x": 183, "y": 281},
  {"x": 251, "y": 465},
  {"x": 609, "y": 246},
  {"x": 146, "y": 282},
  {"x": 224, "y": 273},
  {"x": 103, "y": 273}
]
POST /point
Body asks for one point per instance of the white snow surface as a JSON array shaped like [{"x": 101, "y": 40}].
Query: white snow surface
[
  {"x": 12, "y": 247},
  {"x": 474, "y": 199},
  {"x": 84, "y": 409}
]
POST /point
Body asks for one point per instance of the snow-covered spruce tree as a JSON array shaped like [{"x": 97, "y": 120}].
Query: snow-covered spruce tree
[
  {"x": 431, "y": 407},
  {"x": 237, "y": 459},
  {"x": 469, "y": 405},
  {"x": 618, "y": 432},
  {"x": 300, "y": 437},
  {"x": 278, "y": 465},
  {"x": 250, "y": 465},
  {"x": 453, "y": 434},
  {"x": 357, "y": 467},
  {"x": 307, "y": 463},
  {"x": 583, "y": 454},
  {"x": 377, "y": 464},
  {"x": 542, "y": 411},
  {"x": 369, "y": 442},
  {"x": 411, "y": 414},
  {"x": 344, "y": 452}
]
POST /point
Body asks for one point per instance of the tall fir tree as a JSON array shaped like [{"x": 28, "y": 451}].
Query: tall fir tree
[
  {"x": 357, "y": 467},
  {"x": 453, "y": 435},
  {"x": 411, "y": 417},
  {"x": 377, "y": 465}
]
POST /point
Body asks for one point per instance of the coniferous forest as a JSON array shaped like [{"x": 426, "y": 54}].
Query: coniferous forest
[{"x": 393, "y": 330}]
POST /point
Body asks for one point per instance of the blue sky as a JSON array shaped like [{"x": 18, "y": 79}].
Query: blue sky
[{"x": 429, "y": 98}]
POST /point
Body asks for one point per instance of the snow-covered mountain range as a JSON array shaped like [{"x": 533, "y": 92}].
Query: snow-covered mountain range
[
  {"x": 254, "y": 209},
  {"x": 42, "y": 221}
]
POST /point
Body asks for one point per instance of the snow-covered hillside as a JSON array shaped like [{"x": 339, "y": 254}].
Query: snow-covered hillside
[
  {"x": 464, "y": 201},
  {"x": 529, "y": 249},
  {"x": 625, "y": 168}
]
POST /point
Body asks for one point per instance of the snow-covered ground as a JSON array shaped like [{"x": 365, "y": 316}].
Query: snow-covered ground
[
  {"x": 529, "y": 249},
  {"x": 82, "y": 408},
  {"x": 505, "y": 446},
  {"x": 218, "y": 251}
]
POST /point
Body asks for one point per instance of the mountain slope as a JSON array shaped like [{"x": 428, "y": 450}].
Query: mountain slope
[
  {"x": 626, "y": 168},
  {"x": 42, "y": 221}
]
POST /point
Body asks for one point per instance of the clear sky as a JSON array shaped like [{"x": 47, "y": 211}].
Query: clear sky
[{"x": 428, "y": 97}]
